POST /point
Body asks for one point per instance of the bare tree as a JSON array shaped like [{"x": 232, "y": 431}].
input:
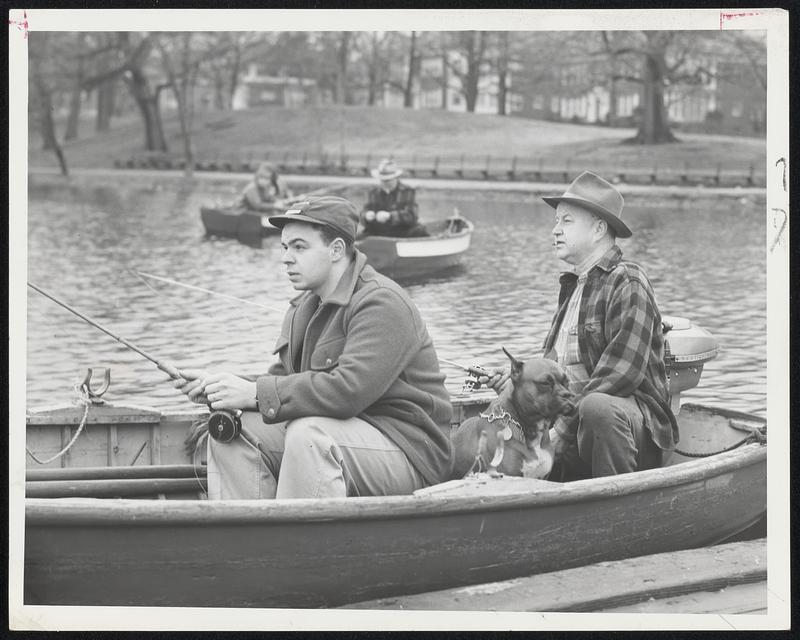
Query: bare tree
[
  {"x": 468, "y": 62},
  {"x": 73, "y": 117},
  {"x": 413, "y": 71},
  {"x": 181, "y": 65},
  {"x": 656, "y": 60},
  {"x": 44, "y": 78}
]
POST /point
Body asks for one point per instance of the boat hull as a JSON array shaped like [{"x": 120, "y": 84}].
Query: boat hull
[
  {"x": 246, "y": 226},
  {"x": 403, "y": 258},
  {"x": 310, "y": 553}
]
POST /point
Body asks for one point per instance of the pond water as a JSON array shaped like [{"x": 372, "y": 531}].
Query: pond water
[{"x": 706, "y": 259}]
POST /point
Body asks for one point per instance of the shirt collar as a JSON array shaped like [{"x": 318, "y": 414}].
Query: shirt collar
[{"x": 607, "y": 262}]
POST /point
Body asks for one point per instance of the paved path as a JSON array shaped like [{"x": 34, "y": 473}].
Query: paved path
[{"x": 426, "y": 183}]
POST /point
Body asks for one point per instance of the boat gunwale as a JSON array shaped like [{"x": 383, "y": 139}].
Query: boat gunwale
[
  {"x": 468, "y": 229},
  {"x": 532, "y": 494}
]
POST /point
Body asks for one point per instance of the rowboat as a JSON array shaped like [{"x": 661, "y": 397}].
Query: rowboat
[
  {"x": 402, "y": 258},
  {"x": 235, "y": 222},
  {"x": 92, "y": 539},
  {"x": 248, "y": 226}
]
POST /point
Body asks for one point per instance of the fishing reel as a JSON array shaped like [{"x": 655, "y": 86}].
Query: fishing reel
[
  {"x": 224, "y": 425},
  {"x": 471, "y": 382}
]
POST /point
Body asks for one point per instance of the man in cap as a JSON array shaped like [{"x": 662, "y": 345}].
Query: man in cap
[
  {"x": 607, "y": 334},
  {"x": 391, "y": 209},
  {"x": 357, "y": 405}
]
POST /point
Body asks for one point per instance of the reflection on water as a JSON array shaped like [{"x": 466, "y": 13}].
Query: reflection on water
[{"x": 706, "y": 261}]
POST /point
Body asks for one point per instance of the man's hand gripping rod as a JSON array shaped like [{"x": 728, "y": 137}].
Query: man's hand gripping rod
[{"x": 223, "y": 425}]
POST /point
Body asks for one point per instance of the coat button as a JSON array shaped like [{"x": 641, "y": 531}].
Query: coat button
[{"x": 271, "y": 413}]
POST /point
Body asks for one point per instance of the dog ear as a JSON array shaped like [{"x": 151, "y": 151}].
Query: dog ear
[
  {"x": 516, "y": 365},
  {"x": 551, "y": 355}
]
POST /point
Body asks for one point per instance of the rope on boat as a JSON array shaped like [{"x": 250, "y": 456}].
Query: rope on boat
[
  {"x": 81, "y": 397},
  {"x": 753, "y": 435}
]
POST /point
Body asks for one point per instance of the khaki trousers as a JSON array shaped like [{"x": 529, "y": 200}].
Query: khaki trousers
[{"x": 310, "y": 457}]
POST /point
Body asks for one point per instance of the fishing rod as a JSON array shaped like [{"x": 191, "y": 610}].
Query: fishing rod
[
  {"x": 223, "y": 425},
  {"x": 195, "y": 288}
]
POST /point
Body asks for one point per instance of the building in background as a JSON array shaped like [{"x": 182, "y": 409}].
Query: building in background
[{"x": 257, "y": 89}]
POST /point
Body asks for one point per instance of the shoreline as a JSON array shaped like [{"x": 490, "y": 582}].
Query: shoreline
[{"x": 528, "y": 188}]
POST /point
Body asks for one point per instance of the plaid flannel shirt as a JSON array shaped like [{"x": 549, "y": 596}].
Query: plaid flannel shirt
[{"x": 621, "y": 341}]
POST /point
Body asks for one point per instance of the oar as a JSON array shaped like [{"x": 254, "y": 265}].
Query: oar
[
  {"x": 195, "y": 288},
  {"x": 167, "y": 368}
]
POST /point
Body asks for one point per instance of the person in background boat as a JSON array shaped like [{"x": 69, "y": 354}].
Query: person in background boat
[
  {"x": 267, "y": 193},
  {"x": 357, "y": 405},
  {"x": 391, "y": 208},
  {"x": 607, "y": 334}
]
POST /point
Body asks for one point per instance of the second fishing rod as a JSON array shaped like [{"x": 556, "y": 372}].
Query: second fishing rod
[{"x": 224, "y": 425}]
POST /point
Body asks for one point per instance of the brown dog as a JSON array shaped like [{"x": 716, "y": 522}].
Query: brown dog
[{"x": 511, "y": 436}]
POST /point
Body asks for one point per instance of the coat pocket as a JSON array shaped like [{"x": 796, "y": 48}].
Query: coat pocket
[
  {"x": 594, "y": 340},
  {"x": 326, "y": 354}
]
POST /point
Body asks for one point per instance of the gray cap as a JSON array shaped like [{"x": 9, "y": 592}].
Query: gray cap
[{"x": 328, "y": 211}]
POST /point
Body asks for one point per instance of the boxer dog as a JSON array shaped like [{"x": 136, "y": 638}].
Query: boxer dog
[{"x": 512, "y": 436}]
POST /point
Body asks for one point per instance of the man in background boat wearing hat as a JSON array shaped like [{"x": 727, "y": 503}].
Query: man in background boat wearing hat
[
  {"x": 607, "y": 334},
  {"x": 391, "y": 208},
  {"x": 357, "y": 405}
]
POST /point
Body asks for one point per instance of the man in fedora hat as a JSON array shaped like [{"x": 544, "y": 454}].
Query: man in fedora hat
[
  {"x": 391, "y": 208},
  {"x": 356, "y": 405},
  {"x": 607, "y": 334}
]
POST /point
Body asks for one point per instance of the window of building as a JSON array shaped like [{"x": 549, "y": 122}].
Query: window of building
[{"x": 537, "y": 102}]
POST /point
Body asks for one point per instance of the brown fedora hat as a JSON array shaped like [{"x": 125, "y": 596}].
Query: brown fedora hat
[{"x": 600, "y": 197}]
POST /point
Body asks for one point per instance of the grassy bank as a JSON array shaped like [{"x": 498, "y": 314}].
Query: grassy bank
[{"x": 402, "y": 133}]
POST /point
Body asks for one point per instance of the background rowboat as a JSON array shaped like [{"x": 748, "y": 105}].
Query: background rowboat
[
  {"x": 248, "y": 227},
  {"x": 404, "y": 258}
]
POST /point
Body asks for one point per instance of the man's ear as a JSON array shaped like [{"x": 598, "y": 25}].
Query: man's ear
[
  {"x": 337, "y": 249},
  {"x": 516, "y": 365}
]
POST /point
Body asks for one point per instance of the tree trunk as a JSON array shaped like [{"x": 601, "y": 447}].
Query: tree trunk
[
  {"x": 149, "y": 109},
  {"x": 408, "y": 91},
  {"x": 475, "y": 45},
  {"x": 106, "y": 98},
  {"x": 372, "y": 72},
  {"x": 502, "y": 73},
  {"x": 445, "y": 74},
  {"x": 654, "y": 126},
  {"x": 236, "y": 66},
  {"x": 219, "y": 94},
  {"x": 611, "y": 119},
  {"x": 46, "y": 123},
  {"x": 73, "y": 118},
  {"x": 343, "y": 54}
]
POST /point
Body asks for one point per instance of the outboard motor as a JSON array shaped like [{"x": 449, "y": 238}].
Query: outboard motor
[{"x": 688, "y": 347}]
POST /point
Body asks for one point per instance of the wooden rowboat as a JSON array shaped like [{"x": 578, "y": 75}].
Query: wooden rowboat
[
  {"x": 314, "y": 553},
  {"x": 404, "y": 258},
  {"x": 235, "y": 222}
]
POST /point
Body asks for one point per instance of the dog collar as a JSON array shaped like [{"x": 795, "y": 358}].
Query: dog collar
[{"x": 513, "y": 429}]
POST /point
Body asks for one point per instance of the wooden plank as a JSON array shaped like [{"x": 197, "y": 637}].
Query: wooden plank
[
  {"x": 98, "y": 414},
  {"x": 99, "y": 473},
  {"x": 736, "y": 599},
  {"x": 124, "y": 488},
  {"x": 601, "y": 586}
]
